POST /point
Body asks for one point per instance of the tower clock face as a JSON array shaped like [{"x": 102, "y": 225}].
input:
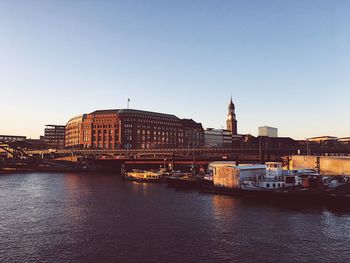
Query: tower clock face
[{"x": 229, "y": 117}]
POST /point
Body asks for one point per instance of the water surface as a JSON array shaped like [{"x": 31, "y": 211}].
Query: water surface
[{"x": 101, "y": 218}]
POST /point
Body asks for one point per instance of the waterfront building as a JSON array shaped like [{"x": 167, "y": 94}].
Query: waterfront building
[
  {"x": 54, "y": 136},
  {"x": 11, "y": 138},
  {"x": 35, "y": 144},
  {"x": 321, "y": 139},
  {"x": 73, "y": 132},
  {"x": 232, "y": 176},
  {"x": 219, "y": 138},
  {"x": 268, "y": 131},
  {"x": 22, "y": 142},
  {"x": 193, "y": 133},
  {"x": 136, "y": 129},
  {"x": 250, "y": 141},
  {"x": 231, "y": 122},
  {"x": 323, "y": 144},
  {"x": 237, "y": 141},
  {"x": 344, "y": 141}
]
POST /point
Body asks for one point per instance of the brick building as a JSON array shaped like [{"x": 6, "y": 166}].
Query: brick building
[
  {"x": 193, "y": 133},
  {"x": 136, "y": 129},
  {"x": 73, "y": 132}
]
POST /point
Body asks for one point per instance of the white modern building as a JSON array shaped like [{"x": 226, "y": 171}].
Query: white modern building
[
  {"x": 268, "y": 131},
  {"x": 217, "y": 138}
]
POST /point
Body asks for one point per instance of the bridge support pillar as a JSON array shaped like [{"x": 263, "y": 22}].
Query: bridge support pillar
[
  {"x": 122, "y": 169},
  {"x": 237, "y": 160},
  {"x": 173, "y": 161}
]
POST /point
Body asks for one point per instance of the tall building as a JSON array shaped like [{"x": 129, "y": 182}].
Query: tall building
[
  {"x": 231, "y": 122},
  {"x": 268, "y": 131},
  {"x": 193, "y": 133},
  {"x": 136, "y": 129},
  {"x": 54, "y": 136}
]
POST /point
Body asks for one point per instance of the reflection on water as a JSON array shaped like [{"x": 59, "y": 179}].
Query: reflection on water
[
  {"x": 224, "y": 206},
  {"x": 101, "y": 218},
  {"x": 76, "y": 194},
  {"x": 140, "y": 187}
]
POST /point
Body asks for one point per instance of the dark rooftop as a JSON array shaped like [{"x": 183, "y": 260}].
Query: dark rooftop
[{"x": 133, "y": 111}]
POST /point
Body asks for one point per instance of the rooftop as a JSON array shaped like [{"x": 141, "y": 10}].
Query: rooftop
[
  {"x": 55, "y": 126},
  {"x": 268, "y": 127},
  {"x": 76, "y": 118},
  {"x": 344, "y": 139},
  {"x": 322, "y": 138},
  {"x": 158, "y": 114},
  {"x": 122, "y": 111}
]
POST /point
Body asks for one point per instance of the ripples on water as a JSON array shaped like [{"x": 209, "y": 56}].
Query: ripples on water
[{"x": 100, "y": 218}]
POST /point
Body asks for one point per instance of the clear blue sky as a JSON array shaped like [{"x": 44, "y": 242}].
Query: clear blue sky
[{"x": 286, "y": 63}]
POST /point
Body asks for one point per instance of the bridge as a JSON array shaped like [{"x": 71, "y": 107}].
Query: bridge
[
  {"x": 46, "y": 159},
  {"x": 264, "y": 153},
  {"x": 152, "y": 153},
  {"x": 18, "y": 151},
  {"x": 14, "y": 150}
]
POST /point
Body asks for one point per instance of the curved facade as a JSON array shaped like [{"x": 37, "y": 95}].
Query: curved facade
[
  {"x": 73, "y": 132},
  {"x": 136, "y": 129}
]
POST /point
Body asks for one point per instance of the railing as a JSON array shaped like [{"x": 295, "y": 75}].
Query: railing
[{"x": 142, "y": 151}]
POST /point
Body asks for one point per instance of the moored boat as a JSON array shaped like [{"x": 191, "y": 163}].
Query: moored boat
[
  {"x": 144, "y": 176},
  {"x": 188, "y": 181}
]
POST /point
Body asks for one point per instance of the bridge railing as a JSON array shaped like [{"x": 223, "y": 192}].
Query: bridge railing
[{"x": 128, "y": 152}]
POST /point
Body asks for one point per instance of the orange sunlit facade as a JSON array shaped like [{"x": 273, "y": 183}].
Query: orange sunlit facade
[{"x": 135, "y": 129}]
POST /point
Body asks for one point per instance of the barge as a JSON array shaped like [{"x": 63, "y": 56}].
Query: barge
[{"x": 273, "y": 183}]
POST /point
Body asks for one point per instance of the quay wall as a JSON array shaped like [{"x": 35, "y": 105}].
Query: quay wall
[{"x": 326, "y": 165}]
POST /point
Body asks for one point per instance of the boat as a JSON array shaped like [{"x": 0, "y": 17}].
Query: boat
[
  {"x": 144, "y": 176},
  {"x": 171, "y": 176},
  {"x": 338, "y": 193},
  {"x": 184, "y": 182},
  {"x": 189, "y": 181}
]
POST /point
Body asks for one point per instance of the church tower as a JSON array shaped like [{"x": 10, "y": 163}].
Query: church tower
[{"x": 231, "y": 123}]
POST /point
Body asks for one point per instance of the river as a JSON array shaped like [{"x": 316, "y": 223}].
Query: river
[{"x": 67, "y": 217}]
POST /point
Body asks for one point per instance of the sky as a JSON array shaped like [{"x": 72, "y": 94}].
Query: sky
[{"x": 285, "y": 63}]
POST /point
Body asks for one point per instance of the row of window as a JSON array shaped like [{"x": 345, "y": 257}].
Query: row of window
[
  {"x": 273, "y": 185},
  {"x": 147, "y": 117},
  {"x": 11, "y": 138},
  {"x": 105, "y": 126},
  {"x": 155, "y": 122},
  {"x": 103, "y": 120}
]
